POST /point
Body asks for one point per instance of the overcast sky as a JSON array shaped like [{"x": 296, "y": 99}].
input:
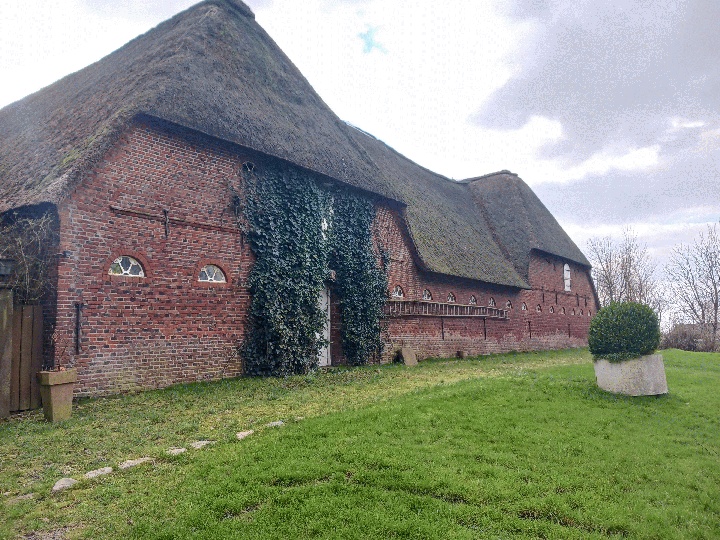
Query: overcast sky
[{"x": 608, "y": 110}]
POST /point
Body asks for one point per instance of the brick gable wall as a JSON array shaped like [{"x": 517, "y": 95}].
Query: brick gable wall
[
  {"x": 166, "y": 198},
  {"x": 165, "y": 201}
]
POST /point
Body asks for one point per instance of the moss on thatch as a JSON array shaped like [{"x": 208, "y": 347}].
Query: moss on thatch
[{"x": 214, "y": 70}]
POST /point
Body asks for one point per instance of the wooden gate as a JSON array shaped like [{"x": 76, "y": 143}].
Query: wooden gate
[{"x": 25, "y": 347}]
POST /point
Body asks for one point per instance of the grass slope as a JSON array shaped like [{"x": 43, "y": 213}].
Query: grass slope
[{"x": 518, "y": 446}]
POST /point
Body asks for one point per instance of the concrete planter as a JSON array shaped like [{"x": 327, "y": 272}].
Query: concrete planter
[
  {"x": 644, "y": 376},
  {"x": 56, "y": 392}
]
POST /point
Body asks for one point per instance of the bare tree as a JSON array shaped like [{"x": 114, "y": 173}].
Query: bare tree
[
  {"x": 624, "y": 272},
  {"x": 693, "y": 273},
  {"x": 28, "y": 241}
]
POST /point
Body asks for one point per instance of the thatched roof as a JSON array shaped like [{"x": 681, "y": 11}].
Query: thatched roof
[
  {"x": 214, "y": 70},
  {"x": 519, "y": 220}
]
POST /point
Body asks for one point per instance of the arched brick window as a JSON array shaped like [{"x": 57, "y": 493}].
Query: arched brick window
[
  {"x": 552, "y": 309},
  {"x": 451, "y": 297},
  {"x": 211, "y": 273},
  {"x": 125, "y": 265},
  {"x": 491, "y": 303},
  {"x": 573, "y": 311},
  {"x": 473, "y": 300},
  {"x": 524, "y": 306},
  {"x": 427, "y": 295},
  {"x": 562, "y": 311},
  {"x": 508, "y": 305},
  {"x": 538, "y": 308},
  {"x": 581, "y": 312},
  {"x": 398, "y": 292}
]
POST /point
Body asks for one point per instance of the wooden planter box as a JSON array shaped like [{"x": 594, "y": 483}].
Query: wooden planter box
[
  {"x": 644, "y": 376},
  {"x": 56, "y": 392}
]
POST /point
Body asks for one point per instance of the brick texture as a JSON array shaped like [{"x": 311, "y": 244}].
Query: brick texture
[{"x": 166, "y": 198}]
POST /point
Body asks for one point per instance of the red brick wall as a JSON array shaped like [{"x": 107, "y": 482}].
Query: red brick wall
[
  {"x": 524, "y": 330},
  {"x": 166, "y": 199},
  {"x": 167, "y": 327}
]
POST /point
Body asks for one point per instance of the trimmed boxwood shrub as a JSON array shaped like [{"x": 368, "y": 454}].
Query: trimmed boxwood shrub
[{"x": 624, "y": 330}]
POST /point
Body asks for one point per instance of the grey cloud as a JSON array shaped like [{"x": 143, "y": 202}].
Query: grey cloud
[
  {"x": 612, "y": 72},
  {"x": 689, "y": 178}
]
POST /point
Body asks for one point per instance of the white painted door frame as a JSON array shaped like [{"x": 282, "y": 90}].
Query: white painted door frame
[{"x": 324, "y": 304}]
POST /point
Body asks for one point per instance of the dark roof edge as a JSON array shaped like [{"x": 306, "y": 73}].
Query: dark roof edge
[
  {"x": 140, "y": 115},
  {"x": 504, "y": 172},
  {"x": 398, "y": 153},
  {"x": 587, "y": 266}
]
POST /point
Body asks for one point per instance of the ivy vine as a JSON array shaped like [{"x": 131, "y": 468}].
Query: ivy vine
[
  {"x": 298, "y": 231},
  {"x": 360, "y": 282}
]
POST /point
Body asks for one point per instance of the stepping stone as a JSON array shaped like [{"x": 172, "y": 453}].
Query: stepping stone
[
  {"x": 241, "y": 435},
  {"x": 134, "y": 462},
  {"x": 276, "y": 423},
  {"x": 98, "y": 472},
  {"x": 176, "y": 451},
  {"x": 197, "y": 445},
  {"x": 19, "y": 498},
  {"x": 298, "y": 418},
  {"x": 63, "y": 483}
]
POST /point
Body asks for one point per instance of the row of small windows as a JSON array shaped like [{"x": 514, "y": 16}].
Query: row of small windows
[
  {"x": 539, "y": 309},
  {"x": 451, "y": 298},
  {"x": 125, "y": 265}
]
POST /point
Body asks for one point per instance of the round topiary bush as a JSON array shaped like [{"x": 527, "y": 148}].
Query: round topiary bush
[{"x": 624, "y": 330}]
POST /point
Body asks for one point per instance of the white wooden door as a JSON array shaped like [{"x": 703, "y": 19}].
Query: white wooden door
[{"x": 324, "y": 304}]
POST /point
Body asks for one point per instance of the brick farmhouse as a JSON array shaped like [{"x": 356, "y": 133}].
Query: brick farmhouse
[{"x": 138, "y": 157}]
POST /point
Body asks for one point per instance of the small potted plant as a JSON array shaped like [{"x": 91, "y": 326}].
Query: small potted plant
[
  {"x": 622, "y": 340},
  {"x": 56, "y": 392}
]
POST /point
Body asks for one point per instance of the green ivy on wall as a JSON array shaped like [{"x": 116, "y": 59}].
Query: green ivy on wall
[
  {"x": 360, "y": 283},
  {"x": 286, "y": 210}
]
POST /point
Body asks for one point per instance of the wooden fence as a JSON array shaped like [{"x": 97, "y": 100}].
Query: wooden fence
[{"x": 21, "y": 351}]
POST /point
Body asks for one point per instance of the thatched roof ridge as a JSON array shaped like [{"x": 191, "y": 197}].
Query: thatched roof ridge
[
  {"x": 448, "y": 230},
  {"x": 214, "y": 70},
  {"x": 210, "y": 68},
  {"x": 519, "y": 221}
]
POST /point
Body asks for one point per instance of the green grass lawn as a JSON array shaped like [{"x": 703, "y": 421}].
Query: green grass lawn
[{"x": 509, "y": 446}]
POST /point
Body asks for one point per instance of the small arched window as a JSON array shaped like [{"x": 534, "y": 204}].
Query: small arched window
[
  {"x": 589, "y": 313},
  {"x": 562, "y": 311},
  {"x": 538, "y": 308},
  {"x": 508, "y": 305},
  {"x": 581, "y": 312},
  {"x": 398, "y": 292},
  {"x": 473, "y": 300},
  {"x": 427, "y": 295},
  {"x": 524, "y": 306},
  {"x": 491, "y": 303},
  {"x": 566, "y": 277},
  {"x": 552, "y": 309},
  {"x": 451, "y": 297},
  {"x": 212, "y": 274},
  {"x": 125, "y": 265},
  {"x": 573, "y": 311}
]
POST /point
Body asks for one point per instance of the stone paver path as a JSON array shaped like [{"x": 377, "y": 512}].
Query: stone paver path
[
  {"x": 65, "y": 483},
  {"x": 134, "y": 462},
  {"x": 98, "y": 472}
]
